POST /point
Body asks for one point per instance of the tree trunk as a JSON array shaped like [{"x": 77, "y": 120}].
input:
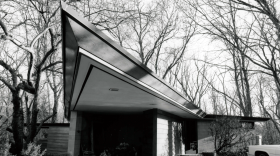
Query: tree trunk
[
  {"x": 17, "y": 123},
  {"x": 35, "y": 110},
  {"x": 55, "y": 105},
  {"x": 56, "y": 97}
]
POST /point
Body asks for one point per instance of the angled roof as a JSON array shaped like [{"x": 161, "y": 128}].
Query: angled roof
[{"x": 101, "y": 77}]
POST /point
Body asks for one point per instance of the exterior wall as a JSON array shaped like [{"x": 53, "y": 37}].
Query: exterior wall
[
  {"x": 205, "y": 143},
  {"x": 57, "y": 141},
  {"x": 169, "y": 138},
  {"x": 74, "y": 137}
]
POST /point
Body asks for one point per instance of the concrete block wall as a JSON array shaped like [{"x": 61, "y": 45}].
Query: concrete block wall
[{"x": 169, "y": 138}]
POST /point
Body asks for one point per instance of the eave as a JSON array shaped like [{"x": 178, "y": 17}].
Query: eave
[{"x": 241, "y": 118}]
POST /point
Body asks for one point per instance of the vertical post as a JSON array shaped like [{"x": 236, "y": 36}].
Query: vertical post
[
  {"x": 170, "y": 138},
  {"x": 91, "y": 136},
  {"x": 74, "y": 138},
  {"x": 150, "y": 133},
  {"x": 258, "y": 140}
]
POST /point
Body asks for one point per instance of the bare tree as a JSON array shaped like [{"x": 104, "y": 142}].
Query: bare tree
[
  {"x": 193, "y": 82},
  {"x": 154, "y": 33},
  {"x": 55, "y": 83},
  {"x": 5, "y": 117},
  {"x": 249, "y": 31},
  {"x": 219, "y": 20},
  {"x": 106, "y": 15},
  {"x": 266, "y": 39},
  {"x": 228, "y": 133},
  {"x": 37, "y": 20}
]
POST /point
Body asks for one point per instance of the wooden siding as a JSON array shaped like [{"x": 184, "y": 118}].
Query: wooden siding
[{"x": 57, "y": 140}]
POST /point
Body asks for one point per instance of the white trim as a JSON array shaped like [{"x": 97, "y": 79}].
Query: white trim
[{"x": 133, "y": 79}]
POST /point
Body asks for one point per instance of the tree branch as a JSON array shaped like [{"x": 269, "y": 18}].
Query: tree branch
[
  {"x": 39, "y": 35},
  {"x": 52, "y": 50},
  {"x": 9, "y": 129},
  {"x": 50, "y": 65},
  {"x": 7, "y": 67},
  {"x": 43, "y": 121},
  {"x": 7, "y": 84},
  {"x": 26, "y": 87},
  {"x": 4, "y": 28}
]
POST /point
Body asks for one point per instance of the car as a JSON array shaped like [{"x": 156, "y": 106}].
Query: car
[{"x": 264, "y": 150}]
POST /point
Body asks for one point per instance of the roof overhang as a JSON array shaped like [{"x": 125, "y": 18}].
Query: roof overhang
[
  {"x": 48, "y": 125},
  {"x": 101, "y": 77},
  {"x": 241, "y": 118}
]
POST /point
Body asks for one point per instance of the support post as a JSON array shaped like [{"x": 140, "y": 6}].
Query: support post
[
  {"x": 74, "y": 138},
  {"x": 150, "y": 133}
]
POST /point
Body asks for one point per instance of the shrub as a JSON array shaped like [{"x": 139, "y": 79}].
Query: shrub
[
  {"x": 33, "y": 150},
  {"x": 230, "y": 136},
  {"x": 6, "y": 147}
]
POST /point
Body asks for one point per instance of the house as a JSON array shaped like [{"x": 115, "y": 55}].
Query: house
[{"x": 111, "y": 98}]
